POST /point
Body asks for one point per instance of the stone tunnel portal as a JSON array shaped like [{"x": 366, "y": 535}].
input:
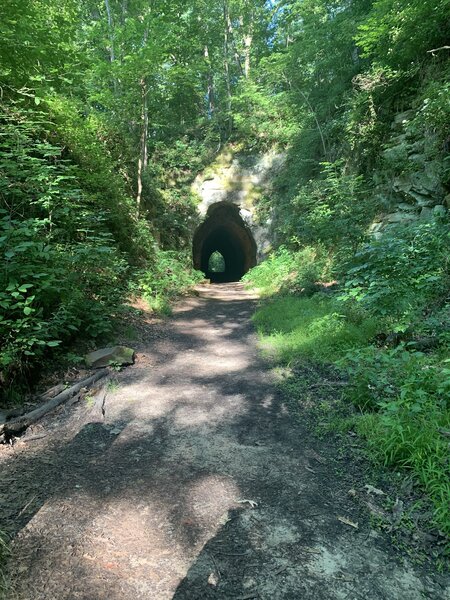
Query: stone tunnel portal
[{"x": 224, "y": 231}]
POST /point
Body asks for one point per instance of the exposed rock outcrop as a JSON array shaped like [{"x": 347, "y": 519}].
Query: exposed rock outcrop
[
  {"x": 410, "y": 185},
  {"x": 241, "y": 180}
]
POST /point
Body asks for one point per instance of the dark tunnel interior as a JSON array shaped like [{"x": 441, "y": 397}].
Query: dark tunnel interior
[{"x": 224, "y": 231}]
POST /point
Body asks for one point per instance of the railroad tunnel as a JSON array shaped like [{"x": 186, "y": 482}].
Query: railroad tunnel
[{"x": 224, "y": 231}]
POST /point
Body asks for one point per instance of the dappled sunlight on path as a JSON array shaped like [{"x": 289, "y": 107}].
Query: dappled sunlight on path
[{"x": 196, "y": 484}]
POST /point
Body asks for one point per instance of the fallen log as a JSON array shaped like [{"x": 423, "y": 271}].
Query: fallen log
[
  {"x": 52, "y": 392},
  {"x": 7, "y": 415},
  {"x": 15, "y": 426}
]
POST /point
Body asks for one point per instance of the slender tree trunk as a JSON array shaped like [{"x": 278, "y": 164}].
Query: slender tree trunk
[
  {"x": 226, "y": 62},
  {"x": 210, "y": 84},
  {"x": 248, "y": 39},
  {"x": 124, "y": 10},
  {"x": 319, "y": 128},
  {"x": 110, "y": 31},
  {"x": 112, "y": 56},
  {"x": 143, "y": 150}
]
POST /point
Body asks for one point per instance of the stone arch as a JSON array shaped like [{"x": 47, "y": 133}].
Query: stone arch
[{"x": 224, "y": 231}]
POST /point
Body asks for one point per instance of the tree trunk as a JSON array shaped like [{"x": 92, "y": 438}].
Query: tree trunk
[
  {"x": 210, "y": 92},
  {"x": 112, "y": 55},
  {"x": 226, "y": 63},
  {"x": 143, "y": 150},
  {"x": 15, "y": 426},
  {"x": 248, "y": 39},
  {"x": 110, "y": 32}
]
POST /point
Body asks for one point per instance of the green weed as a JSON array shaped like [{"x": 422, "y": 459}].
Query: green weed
[
  {"x": 316, "y": 328},
  {"x": 112, "y": 385},
  {"x": 170, "y": 275}
]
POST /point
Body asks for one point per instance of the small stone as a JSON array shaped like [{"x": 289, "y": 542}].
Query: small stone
[
  {"x": 213, "y": 579},
  {"x": 426, "y": 213},
  {"x": 116, "y": 355},
  {"x": 399, "y": 217},
  {"x": 420, "y": 199},
  {"x": 406, "y": 207},
  {"x": 439, "y": 210},
  {"x": 402, "y": 184}
]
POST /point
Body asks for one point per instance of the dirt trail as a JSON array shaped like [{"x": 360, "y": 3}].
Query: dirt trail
[{"x": 156, "y": 500}]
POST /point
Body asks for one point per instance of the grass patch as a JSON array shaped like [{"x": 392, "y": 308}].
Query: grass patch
[
  {"x": 316, "y": 328},
  {"x": 401, "y": 396}
]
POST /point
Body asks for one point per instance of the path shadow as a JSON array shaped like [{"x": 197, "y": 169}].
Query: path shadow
[{"x": 154, "y": 500}]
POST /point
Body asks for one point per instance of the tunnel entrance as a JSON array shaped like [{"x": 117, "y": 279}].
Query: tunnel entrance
[{"x": 224, "y": 232}]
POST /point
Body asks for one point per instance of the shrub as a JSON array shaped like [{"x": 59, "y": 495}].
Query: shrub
[
  {"x": 170, "y": 275},
  {"x": 401, "y": 273},
  {"x": 62, "y": 273},
  {"x": 407, "y": 394},
  {"x": 289, "y": 271}
]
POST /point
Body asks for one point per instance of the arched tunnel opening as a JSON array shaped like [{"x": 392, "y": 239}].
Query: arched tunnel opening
[{"x": 224, "y": 232}]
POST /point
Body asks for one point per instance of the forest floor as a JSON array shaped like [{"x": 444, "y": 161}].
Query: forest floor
[{"x": 197, "y": 482}]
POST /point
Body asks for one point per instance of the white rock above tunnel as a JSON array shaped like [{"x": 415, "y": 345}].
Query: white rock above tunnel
[{"x": 240, "y": 179}]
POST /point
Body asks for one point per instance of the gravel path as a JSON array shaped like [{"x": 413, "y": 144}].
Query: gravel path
[{"x": 197, "y": 483}]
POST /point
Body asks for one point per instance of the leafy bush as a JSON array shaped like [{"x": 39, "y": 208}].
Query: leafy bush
[
  {"x": 408, "y": 393},
  {"x": 170, "y": 275},
  {"x": 88, "y": 147},
  {"x": 290, "y": 271},
  {"x": 402, "y": 272},
  {"x": 270, "y": 275},
  {"x": 62, "y": 273},
  {"x": 330, "y": 209},
  {"x": 398, "y": 32}
]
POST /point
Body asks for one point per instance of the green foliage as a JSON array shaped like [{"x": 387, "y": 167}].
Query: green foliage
[
  {"x": 260, "y": 120},
  {"x": 62, "y": 273},
  {"x": 290, "y": 272},
  {"x": 168, "y": 201},
  {"x": 317, "y": 328},
  {"x": 87, "y": 142},
  {"x": 396, "y": 379},
  {"x": 328, "y": 209},
  {"x": 409, "y": 393},
  {"x": 398, "y": 32},
  {"x": 401, "y": 273},
  {"x": 216, "y": 263},
  {"x": 170, "y": 275},
  {"x": 36, "y": 43}
]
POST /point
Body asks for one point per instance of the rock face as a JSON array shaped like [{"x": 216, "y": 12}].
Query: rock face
[
  {"x": 116, "y": 355},
  {"x": 409, "y": 184},
  {"x": 240, "y": 180}
]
